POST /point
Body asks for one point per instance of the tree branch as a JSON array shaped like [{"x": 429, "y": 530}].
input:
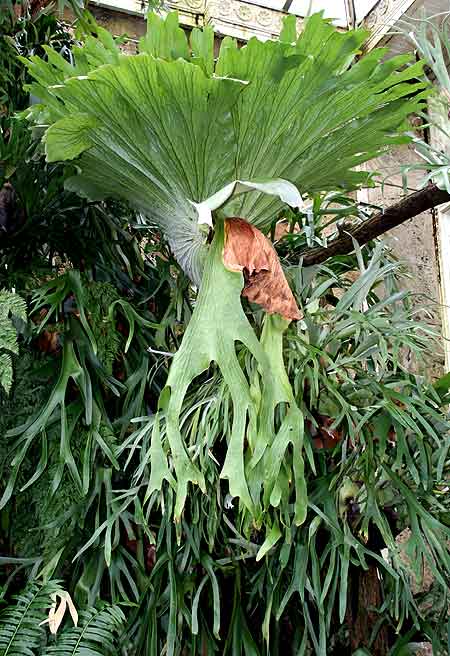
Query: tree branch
[{"x": 393, "y": 216}]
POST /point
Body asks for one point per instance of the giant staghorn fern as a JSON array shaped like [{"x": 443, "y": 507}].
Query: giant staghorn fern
[{"x": 188, "y": 140}]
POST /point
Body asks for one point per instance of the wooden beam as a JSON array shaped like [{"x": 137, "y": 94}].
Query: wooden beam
[{"x": 377, "y": 225}]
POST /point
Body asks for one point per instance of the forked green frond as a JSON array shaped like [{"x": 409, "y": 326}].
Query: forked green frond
[{"x": 258, "y": 474}]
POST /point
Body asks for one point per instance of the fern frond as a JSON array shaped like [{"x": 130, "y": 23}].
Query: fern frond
[
  {"x": 6, "y": 372},
  {"x": 20, "y": 630},
  {"x": 96, "y": 634},
  {"x": 10, "y": 304}
]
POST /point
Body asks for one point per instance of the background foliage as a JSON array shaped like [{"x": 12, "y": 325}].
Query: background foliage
[{"x": 107, "y": 307}]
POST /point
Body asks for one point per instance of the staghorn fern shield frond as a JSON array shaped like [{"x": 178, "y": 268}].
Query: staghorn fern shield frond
[
  {"x": 179, "y": 135},
  {"x": 172, "y": 126}
]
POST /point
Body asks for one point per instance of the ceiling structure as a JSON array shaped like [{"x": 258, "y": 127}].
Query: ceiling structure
[
  {"x": 386, "y": 20},
  {"x": 338, "y": 10},
  {"x": 243, "y": 19},
  {"x": 343, "y": 13}
]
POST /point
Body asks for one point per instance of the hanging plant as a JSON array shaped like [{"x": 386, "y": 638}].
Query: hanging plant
[{"x": 211, "y": 151}]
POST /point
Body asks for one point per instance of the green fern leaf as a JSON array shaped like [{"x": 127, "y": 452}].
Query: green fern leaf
[
  {"x": 20, "y": 630},
  {"x": 10, "y": 304},
  {"x": 8, "y": 336},
  {"x": 6, "y": 372},
  {"x": 96, "y": 634}
]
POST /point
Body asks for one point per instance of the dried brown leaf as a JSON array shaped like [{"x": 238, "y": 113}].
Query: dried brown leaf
[
  {"x": 49, "y": 341},
  {"x": 248, "y": 250}
]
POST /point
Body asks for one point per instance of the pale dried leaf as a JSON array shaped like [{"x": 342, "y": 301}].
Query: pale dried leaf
[{"x": 56, "y": 613}]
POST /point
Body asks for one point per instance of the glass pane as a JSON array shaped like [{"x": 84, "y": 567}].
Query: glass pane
[
  {"x": 362, "y": 8},
  {"x": 335, "y": 10}
]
